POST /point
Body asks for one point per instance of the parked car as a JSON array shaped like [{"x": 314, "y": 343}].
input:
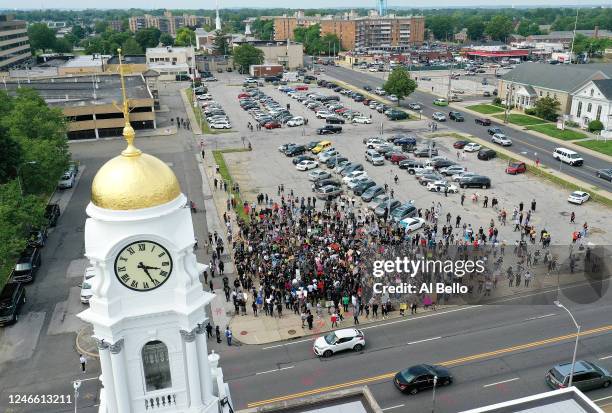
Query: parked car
[
  {"x": 295, "y": 150},
  {"x": 405, "y": 211},
  {"x": 486, "y": 154},
  {"x": 12, "y": 297},
  {"x": 339, "y": 340},
  {"x": 326, "y": 182},
  {"x": 421, "y": 377},
  {"x": 412, "y": 224},
  {"x": 475, "y": 181},
  {"x": 516, "y": 168},
  {"x": 578, "y": 197},
  {"x": 362, "y": 120},
  {"x": 441, "y": 186},
  {"x": 66, "y": 181},
  {"x": 396, "y": 158},
  {"x": 318, "y": 174},
  {"x": 425, "y": 152},
  {"x": 397, "y": 115},
  {"x": 327, "y": 129},
  {"x": 363, "y": 186},
  {"x": 501, "y": 139},
  {"x": 220, "y": 125},
  {"x": 386, "y": 205},
  {"x": 586, "y": 376},
  {"x": 440, "y": 102},
  {"x": 460, "y": 144},
  {"x": 86, "y": 286},
  {"x": 295, "y": 121},
  {"x": 351, "y": 167},
  {"x": 306, "y": 165},
  {"x": 483, "y": 121},
  {"x": 38, "y": 237},
  {"x": 321, "y": 146},
  {"x": 272, "y": 124},
  {"x": 27, "y": 265},
  {"x": 472, "y": 147},
  {"x": 334, "y": 120},
  {"x": 52, "y": 213},
  {"x": 372, "y": 192},
  {"x": 328, "y": 192},
  {"x": 301, "y": 158}
]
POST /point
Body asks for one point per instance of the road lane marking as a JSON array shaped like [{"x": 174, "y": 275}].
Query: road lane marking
[
  {"x": 393, "y": 407},
  {"x": 386, "y": 376},
  {"x": 501, "y": 382},
  {"x": 424, "y": 340},
  {"x": 605, "y": 358},
  {"x": 436, "y": 314},
  {"x": 602, "y": 399},
  {"x": 275, "y": 370},
  {"x": 539, "y": 317}
]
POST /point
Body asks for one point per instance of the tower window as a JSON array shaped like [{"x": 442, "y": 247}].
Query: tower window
[{"x": 156, "y": 366}]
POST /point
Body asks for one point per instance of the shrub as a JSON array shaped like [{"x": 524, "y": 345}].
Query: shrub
[
  {"x": 530, "y": 112},
  {"x": 595, "y": 126},
  {"x": 571, "y": 124},
  {"x": 497, "y": 101}
]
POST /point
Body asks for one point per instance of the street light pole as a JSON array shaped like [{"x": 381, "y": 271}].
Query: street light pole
[
  {"x": 571, "y": 377},
  {"x": 433, "y": 397}
]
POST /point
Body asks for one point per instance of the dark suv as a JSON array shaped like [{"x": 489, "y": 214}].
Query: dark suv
[
  {"x": 329, "y": 129},
  {"x": 295, "y": 150},
  {"x": 52, "y": 213},
  {"x": 27, "y": 265},
  {"x": 476, "y": 181},
  {"x": 12, "y": 298}
]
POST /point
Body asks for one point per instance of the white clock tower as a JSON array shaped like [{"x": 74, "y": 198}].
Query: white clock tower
[{"x": 148, "y": 305}]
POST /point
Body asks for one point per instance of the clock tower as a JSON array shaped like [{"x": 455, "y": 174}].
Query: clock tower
[{"x": 148, "y": 304}]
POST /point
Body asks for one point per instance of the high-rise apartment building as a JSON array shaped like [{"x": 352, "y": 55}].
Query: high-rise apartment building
[
  {"x": 14, "y": 42},
  {"x": 369, "y": 32},
  {"x": 167, "y": 23}
]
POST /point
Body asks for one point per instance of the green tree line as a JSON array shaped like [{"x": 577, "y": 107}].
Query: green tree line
[{"x": 34, "y": 156}]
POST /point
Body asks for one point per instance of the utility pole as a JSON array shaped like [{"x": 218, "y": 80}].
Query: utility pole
[
  {"x": 574, "y": 35},
  {"x": 450, "y": 77}
]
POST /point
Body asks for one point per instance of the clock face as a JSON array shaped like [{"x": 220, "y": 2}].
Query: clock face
[{"x": 143, "y": 265}]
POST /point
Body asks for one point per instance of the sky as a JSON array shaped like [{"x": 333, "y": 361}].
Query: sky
[{"x": 209, "y": 4}]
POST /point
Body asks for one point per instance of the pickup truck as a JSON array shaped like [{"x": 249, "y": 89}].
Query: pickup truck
[{"x": 327, "y": 129}]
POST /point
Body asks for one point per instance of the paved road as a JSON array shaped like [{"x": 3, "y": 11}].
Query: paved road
[
  {"x": 262, "y": 373},
  {"x": 523, "y": 143}
]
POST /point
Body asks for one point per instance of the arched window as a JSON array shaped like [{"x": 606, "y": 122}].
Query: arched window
[
  {"x": 579, "y": 111},
  {"x": 589, "y": 107},
  {"x": 156, "y": 366},
  {"x": 592, "y": 91}
]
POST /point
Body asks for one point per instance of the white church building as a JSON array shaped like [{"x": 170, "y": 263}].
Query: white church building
[{"x": 148, "y": 305}]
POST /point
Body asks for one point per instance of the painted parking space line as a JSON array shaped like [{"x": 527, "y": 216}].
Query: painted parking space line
[
  {"x": 392, "y": 407},
  {"x": 501, "y": 382}
]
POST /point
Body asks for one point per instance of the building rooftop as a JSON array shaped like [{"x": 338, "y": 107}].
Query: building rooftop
[
  {"x": 568, "y": 34},
  {"x": 128, "y": 59},
  {"x": 605, "y": 86},
  {"x": 78, "y": 90},
  {"x": 169, "y": 49},
  {"x": 557, "y": 77},
  {"x": 86, "y": 61}
]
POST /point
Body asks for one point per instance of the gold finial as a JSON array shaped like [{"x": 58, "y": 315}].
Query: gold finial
[{"x": 128, "y": 131}]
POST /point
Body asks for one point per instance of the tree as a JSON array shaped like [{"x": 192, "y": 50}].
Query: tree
[
  {"x": 41, "y": 37},
  {"x": 62, "y": 45},
  {"x": 78, "y": 31},
  {"x": 475, "y": 28},
  {"x": 547, "y": 108},
  {"x": 595, "y": 126},
  {"x": 399, "y": 83},
  {"x": 166, "y": 40},
  {"x": 247, "y": 55},
  {"x": 499, "y": 27},
  {"x": 220, "y": 44},
  {"x": 185, "y": 37},
  {"x": 147, "y": 37},
  {"x": 100, "y": 27},
  {"x": 131, "y": 46},
  {"x": 263, "y": 29},
  {"x": 441, "y": 27},
  {"x": 310, "y": 37},
  {"x": 11, "y": 156},
  {"x": 329, "y": 44}
]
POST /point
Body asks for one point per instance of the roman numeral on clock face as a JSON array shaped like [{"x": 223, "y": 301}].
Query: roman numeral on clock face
[{"x": 125, "y": 278}]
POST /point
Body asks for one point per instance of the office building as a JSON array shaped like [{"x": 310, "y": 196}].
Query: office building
[
  {"x": 167, "y": 23},
  {"x": 14, "y": 42}
]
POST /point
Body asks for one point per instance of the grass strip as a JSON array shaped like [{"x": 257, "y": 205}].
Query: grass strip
[
  {"x": 485, "y": 109},
  {"x": 521, "y": 120},
  {"x": 200, "y": 118},
  {"x": 225, "y": 174},
  {"x": 600, "y": 146},
  {"x": 563, "y": 134}
]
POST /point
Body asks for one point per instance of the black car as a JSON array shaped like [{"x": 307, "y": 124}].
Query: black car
[
  {"x": 492, "y": 131},
  {"x": 486, "y": 154},
  {"x": 425, "y": 152},
  {"x": 301, "y": 158},
  {"x": 334, "y": 120},
  {"x": 475, "y": 181},
  {"x": 358, "y": 98},
  {"x": 27, "y": 265},
  {"x": 421, "y": 377},
  {"x": 368, "y": 88},
  {"x": 456, "y": 116},
  {"x": 295, "y": 150},
  {"x": 12, "y": 297},
  {"x": 325, "y": 182},
  {"x": 605, "y": 174},
  {"x": 329, "y": 129},
  {"x": 52, "y": 213},
  {"x": 312, "y": 144},
  {"x": 362, "y": 187},
  {"x": 442, "y": 163},
  {"x": 38, "y": 237}
]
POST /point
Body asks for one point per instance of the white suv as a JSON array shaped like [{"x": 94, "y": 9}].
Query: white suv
[{"x": 340, "y": 340}]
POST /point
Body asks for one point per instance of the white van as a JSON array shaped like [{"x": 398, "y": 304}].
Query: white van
[
  {"x": 374, "y": 157},
  {"x": 568, "y": 156}
]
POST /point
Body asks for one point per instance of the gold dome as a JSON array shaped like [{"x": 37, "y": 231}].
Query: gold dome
[{"x": 133, "y": 180}]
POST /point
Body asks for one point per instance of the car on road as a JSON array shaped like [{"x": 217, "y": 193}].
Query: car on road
[
  {"x": 475, "y": 181},
  {"x": 587, "y": 376},
  {"x": 362, "y": 120},
  {"x": 327, "y": 129},
  {"x": 486, "y": 154},
  {"x": 440, "y": 102},
  {"x": 412, "y": 224},
  {"x": 472, "y": 147},
  {"x": 516, "y": 168},
  {"x": 483, "y": 121},
  {"x": 568, "y": 156},
  {"x": 578, "y": 197},
  {"x": 318, "y": 174},
  {"x": 306, "y": 165},
  {"x": 604, "y": 174},
  {"x": 392, "y": 98},
  {"x": 386, "y": 205},
  {"x": 439, "y": 116},
  {"x": 440, "y": 186},
  {"x": 501, "y": 139},
  {"x": 12, "y": 297},
  {"x": 328, "y": 192},
  {"x": 339, "y": 340},
  {"x": 456, "y": 116},
  {"x": 415, "y": 106},
  {"x": 367, "y": 88},
  {"x": 421, "y": 377},
  {"x": 492, "y": 131},
  {"x": 27, "y": 265}
]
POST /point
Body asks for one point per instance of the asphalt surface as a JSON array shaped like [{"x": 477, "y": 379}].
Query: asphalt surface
[
  {"x": 523, "y": 143},
  {"x": 482, "y": 346}
]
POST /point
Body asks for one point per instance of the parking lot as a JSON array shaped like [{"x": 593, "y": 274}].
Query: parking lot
[{"x": 265, "y": 168}]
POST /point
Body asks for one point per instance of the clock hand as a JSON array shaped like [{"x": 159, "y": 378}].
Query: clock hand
[
  {"x": 144, "y": 268},
  {"x": 151, "y": 268}
]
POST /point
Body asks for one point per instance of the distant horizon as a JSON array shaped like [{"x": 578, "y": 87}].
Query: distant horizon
[{"x": 37, "y": 5}]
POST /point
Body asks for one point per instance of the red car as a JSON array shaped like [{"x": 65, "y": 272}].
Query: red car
[
  {"x": 272, "y": 125},
  {"x": 483, "y": 121},
  {"x": 516, "y": 168},
  {"x": 396, "y": 158},
  {"x": 460, "y": 144},
  {"x": 244, "y": 95},
  {"x": 341, "y": 110},
  {"x": 301, "y": 87}
]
